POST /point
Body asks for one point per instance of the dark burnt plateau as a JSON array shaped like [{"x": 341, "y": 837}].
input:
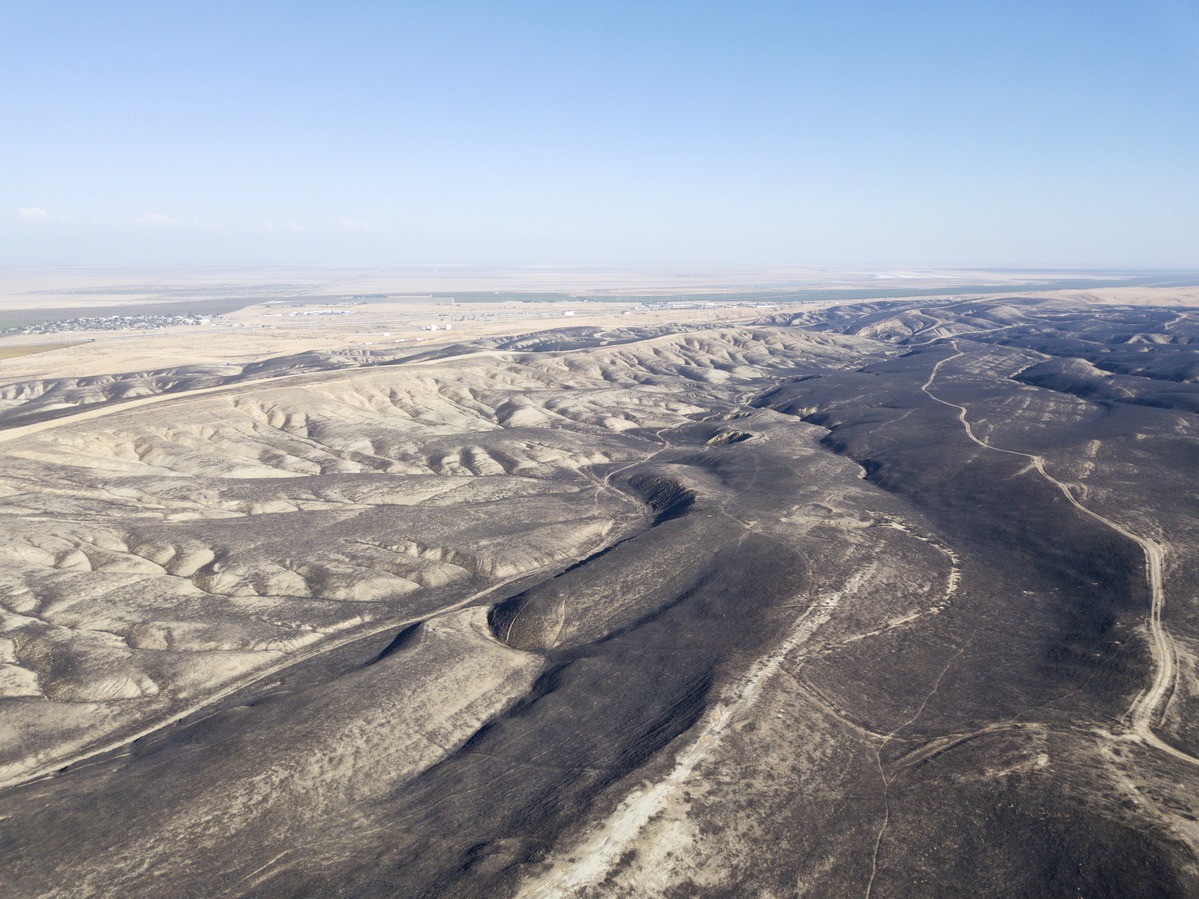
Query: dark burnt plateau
[{"x": 885, "y": 599}]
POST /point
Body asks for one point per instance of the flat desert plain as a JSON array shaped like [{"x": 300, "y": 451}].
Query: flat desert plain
[{"x": 365, "y": 587}]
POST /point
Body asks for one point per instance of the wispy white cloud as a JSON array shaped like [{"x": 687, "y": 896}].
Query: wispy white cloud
[
  {"x": 157, "y": 219},
  {"x": 353, "y": 225},
  {"x": 38, "y": 214}
]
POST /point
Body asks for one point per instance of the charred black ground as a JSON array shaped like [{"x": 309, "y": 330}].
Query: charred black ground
[{"x": 856, "y": 601}]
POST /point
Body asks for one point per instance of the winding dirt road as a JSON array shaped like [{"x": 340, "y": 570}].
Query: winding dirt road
[{"x": 1144, "y": 708}]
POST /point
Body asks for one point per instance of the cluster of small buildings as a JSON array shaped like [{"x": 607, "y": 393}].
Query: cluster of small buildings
[{"x": 113, "y": 323}]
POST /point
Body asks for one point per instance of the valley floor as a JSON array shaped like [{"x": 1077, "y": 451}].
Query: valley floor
[{"x": 891, "y": 599}]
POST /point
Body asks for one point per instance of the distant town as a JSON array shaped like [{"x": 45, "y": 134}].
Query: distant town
[{"x": 113, "y": 323}]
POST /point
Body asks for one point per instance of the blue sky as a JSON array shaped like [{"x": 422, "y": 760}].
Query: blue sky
[{"x": 616, "y": 133}]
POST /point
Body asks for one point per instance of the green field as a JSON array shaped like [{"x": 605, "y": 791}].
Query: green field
[{"x": 29, "y": 349}]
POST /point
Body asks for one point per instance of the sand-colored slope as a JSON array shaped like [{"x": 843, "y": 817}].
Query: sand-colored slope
[
  {"x": 600, "y": 611},
  {"x": 232, "y": 528}
]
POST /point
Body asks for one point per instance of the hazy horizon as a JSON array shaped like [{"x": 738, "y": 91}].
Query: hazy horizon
[{"x": 533, "y": 135}]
